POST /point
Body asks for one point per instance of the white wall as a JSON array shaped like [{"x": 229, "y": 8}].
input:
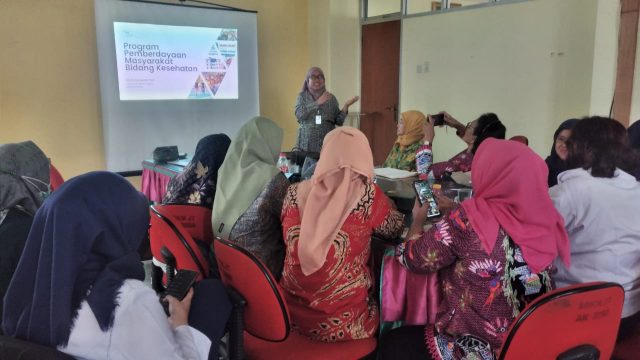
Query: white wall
[
  {"x": 334, "y": 45},
  {"x": 605, "y": 57},
  {"x": 635, "y": 97},
  {"x": 529, "y": 62}
]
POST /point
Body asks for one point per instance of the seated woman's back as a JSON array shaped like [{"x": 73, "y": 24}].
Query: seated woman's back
[
  {"x": 24, "y": 182},
  {"x": 78, "y": 286},
  {"x": 327, "y": 224},
  {"x": 196, "y": 184},
  {"x": 250, "y": 191},
  {"x": 492, "y": 253}
]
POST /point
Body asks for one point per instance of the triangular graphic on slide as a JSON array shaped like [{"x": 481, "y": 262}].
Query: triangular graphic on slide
[
  {"x": 200, "y": 90},
  {"x": 213, "y": 79}
]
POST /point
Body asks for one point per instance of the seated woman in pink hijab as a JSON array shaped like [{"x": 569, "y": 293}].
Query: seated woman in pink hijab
[
  {"x": 492, "y": 254},
  {"x": 327, "y": 224}
]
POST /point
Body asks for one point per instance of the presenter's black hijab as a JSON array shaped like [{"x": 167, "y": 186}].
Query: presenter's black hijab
[
  {"x": 197, "y": 182},
  {"x": 82, "y": 246},
  {"x": 555, "y": 164}
]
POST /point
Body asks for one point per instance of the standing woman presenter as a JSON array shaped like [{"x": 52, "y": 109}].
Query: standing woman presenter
[{"x": 317, "y": 111}]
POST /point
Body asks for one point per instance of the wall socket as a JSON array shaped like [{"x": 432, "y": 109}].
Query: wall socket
[{"x": 422, "y": 68}]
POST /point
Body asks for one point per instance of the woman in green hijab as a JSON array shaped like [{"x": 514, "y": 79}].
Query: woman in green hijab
[{"x": 250, "y": 192}]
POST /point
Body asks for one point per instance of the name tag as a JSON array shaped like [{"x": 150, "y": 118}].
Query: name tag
[{"x": 318, "y": 119}]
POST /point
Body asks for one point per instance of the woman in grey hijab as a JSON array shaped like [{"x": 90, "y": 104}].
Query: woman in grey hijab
[
  {"x": 317, "y": 111},
  {"x": 24, "y": 183}
]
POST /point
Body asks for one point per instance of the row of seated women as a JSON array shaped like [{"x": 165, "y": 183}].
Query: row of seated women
[
  {"x": 495, "y": 252},
  {"x": 315, "y": 303}
]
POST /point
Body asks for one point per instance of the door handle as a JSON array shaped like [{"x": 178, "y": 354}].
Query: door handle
[{"x": 395, "y": 111}]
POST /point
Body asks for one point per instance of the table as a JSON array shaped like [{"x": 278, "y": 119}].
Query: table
[{"x": 156, "y": 176}]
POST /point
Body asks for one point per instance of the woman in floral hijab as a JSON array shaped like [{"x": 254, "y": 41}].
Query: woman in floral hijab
[{"x": 197, "y": 183}]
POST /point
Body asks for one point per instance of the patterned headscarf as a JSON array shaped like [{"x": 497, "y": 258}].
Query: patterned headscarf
[{"x": 197, "y": 182}]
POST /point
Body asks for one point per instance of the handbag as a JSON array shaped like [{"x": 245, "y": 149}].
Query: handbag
[{"x": 163, "y": 154}]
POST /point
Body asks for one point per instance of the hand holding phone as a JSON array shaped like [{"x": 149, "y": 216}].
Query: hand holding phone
[
  {"x": 178, "y": 287},
  {"x": 425, "y": 197},
  {"x": 438, "y": 119}
]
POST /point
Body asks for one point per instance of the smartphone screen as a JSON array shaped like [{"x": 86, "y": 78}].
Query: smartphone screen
[{"x": 426, "y": 198}]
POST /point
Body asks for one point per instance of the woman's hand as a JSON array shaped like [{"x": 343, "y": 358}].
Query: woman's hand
[
  {"x": 179, "y": 310},
  {"x": 428, "y": 130},
  {"x": 450, "y": 120},
  {"x": 353, "y": 100},
  {"x": 419, "y": 214},
  {"x": 324, "y": 98}
]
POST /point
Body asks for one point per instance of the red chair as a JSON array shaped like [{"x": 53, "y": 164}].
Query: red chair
[
  {"x": 179, "y": 228},
  {"x": 260, "y": 324},
  {"x": 575, "y": 322},
  {"x": 55, "y": 179}
]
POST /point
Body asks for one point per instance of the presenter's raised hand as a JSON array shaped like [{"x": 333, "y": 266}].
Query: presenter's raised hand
[{"x": 353, "y": 100}]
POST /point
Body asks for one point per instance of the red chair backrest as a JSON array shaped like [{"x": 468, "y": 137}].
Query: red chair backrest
[
  {"x": 584, "y": 314},
  {"x": 55, "y": 179},
  {"x": 195, "y": 219},
  {"x": 167, "y": 231},
  {"x": 266, "y": 314}
]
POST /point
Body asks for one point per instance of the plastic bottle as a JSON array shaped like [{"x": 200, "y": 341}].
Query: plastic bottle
[{"x": 283, "y": 163}]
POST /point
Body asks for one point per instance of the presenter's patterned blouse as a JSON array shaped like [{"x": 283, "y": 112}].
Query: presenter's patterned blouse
[{"x": 310, "y": 134}]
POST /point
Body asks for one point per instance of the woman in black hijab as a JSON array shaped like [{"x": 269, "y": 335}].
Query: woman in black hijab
[
  {"x": 197, "y": 182},
  {"x": 557, "y": 160}
]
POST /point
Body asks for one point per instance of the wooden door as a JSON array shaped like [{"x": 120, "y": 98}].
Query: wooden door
[{"x": 380, "y": 86}]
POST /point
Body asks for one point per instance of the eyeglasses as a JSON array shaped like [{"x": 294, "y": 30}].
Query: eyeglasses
[{"x": 316, "y": 77}]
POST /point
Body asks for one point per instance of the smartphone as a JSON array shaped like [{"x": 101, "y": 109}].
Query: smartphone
[
  {"x": 425, "y": 197},
  {"x": 438, "y": 119},
  {"x": 178, "y": 287}
]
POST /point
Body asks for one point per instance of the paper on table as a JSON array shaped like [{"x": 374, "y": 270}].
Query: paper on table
[{"x": 392, "y": 173}]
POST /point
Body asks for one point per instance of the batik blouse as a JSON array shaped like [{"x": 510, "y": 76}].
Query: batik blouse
[
  {"x": 310, "y": 134},
  {"x": 403, "y": 159},
  {"x": 334, "y": 303},
  {"x": 482, "y": 293}
]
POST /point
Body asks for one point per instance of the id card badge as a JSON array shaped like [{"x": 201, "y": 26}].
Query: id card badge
[{"x": 318, "y": 119}]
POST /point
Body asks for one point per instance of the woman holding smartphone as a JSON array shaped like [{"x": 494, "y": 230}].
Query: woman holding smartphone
[
  {"x": 497, "y": 234},
  {"x": 473, "y": 134},
  {"x": 79, "y": 283}
]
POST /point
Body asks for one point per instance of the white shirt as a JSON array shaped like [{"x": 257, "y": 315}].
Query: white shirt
[
  {"x": 140, "y": 331},
  {"x": 602, "y": 218}
]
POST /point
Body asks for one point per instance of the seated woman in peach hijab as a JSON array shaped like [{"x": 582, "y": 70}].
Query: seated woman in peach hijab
[
  {"x": 327, "y": 224},
  {"x": 403, "y": 153}
]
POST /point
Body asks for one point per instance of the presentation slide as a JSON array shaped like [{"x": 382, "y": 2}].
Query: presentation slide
[{"x": 163, "y": 62}]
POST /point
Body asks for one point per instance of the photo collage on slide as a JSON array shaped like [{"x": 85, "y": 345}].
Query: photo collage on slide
[{"x": 221, "y": 55}]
